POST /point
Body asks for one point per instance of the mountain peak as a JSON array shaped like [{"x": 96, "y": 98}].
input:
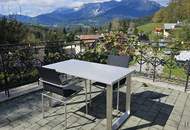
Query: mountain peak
[{"x": 99, "y": 13}]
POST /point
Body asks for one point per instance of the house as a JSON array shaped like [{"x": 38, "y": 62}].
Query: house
[
  {"x": 170, "y": 26},
  {"x": 90, "y": 38}
]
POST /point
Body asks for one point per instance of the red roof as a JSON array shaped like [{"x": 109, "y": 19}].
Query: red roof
[
  {"x": 89, "y": 37},
  {"x": 158, "y": 29}
]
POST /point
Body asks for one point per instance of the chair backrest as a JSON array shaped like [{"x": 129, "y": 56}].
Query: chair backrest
[
  {"x": 121, "y": 61},
  {"x": 49, "y": 75}
]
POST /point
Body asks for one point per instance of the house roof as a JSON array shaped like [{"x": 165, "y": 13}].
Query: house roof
[
  {"x": 89, "y": 37},
  {"x": 158, "y": 29}
]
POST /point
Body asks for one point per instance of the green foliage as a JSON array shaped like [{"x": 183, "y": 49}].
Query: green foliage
[
  {"x": 182, "y": 34},
  {"x": 177, "y": 10},
  {"x": 12, "y": 31},
  {"x": 179, "y": 38},
  {"x": 16, "y": 32},
  {"x": 155, "y": 37},
  {"x": 53, "y": 53},
  {"x": 176, "y": 72},
  {"x": 123, "y": 25},
  {"x": 93, "y": 56},
  {"x": 118, "y": 43}
]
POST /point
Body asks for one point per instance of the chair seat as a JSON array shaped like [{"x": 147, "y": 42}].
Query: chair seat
[
  {"x": 63, "y": 91},
  {"x": 99, "y": 84},
  {"x": 115, "y": 86}
]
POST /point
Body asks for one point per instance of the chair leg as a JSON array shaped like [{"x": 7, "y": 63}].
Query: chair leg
[
  {"x": 65, "y": 115},
  {"x": 50, "y": 100},
  {"x": 43, "y": 106}
]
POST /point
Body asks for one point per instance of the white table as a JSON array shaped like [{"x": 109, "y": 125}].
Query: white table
[{"x": 100, "y": 73}]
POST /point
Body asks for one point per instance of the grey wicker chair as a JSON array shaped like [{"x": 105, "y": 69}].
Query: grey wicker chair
[
  {"x": 52, "y": 84},
  {"x": 121, "y": 61}
]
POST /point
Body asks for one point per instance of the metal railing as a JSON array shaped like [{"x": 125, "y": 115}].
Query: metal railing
[
  {"x": 18, "y": 62},
  {"x": 163, "y": 58}
]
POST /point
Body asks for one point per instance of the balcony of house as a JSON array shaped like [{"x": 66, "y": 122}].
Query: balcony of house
[{"x": 159, "y": 89}]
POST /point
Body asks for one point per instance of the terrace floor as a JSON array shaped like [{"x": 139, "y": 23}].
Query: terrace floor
[{"x": 153, "y": 108}]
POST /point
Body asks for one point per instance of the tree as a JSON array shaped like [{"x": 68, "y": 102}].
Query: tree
[
  {"x": 155, "y": 37},
  {"x": 64, "y": 31},
  {"x": 12, "y": 31},
  {"x": 118, "y": 43},
  {"x": 109, "y": 27}
]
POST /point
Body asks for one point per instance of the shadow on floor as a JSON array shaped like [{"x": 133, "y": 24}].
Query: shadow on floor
[{"x": 146, "y": 105}]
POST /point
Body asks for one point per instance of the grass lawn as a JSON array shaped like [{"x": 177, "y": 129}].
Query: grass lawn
[
  {"x": 177, "y": 72},
  {"x": 148, "y": 28}
]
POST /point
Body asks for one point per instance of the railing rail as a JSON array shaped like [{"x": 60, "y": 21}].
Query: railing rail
[
  {"x": 18, "y": 61},
  {"x": 162, "y": 60}
]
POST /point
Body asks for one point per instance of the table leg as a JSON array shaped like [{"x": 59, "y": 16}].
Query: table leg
[
  {"x": 128, "y": 94},
  {"x": 86, "y": 96},
  {"x": 118, "y": 96},
  {"x": 109, "y": 95},
  {"x": 43, "y": 106},
  {"x": 123, "y": 118},
  {"x": 90, "y": 91}
]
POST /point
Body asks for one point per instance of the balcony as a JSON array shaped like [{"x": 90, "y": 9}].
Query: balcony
[
  {"x": 157, "y": 102},
  {"x": 152, "y": 108}
]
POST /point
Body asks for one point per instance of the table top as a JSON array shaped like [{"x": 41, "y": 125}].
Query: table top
[
  {"x": 92, "y": 71},
  {"x": 183, "y": 56}
]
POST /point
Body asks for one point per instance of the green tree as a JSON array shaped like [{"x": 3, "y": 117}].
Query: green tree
[
  {"x": 155, "y": 37},
  {"x": 12, "y": 31},
  {"x": 118, "y": 43},
  {"x": 182, "y": 34}
]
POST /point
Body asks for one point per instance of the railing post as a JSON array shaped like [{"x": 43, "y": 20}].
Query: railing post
[
  {"x": 141, "y": 61},
  {"x": 80, "y": 47},
  {"x": 188, "y": 72},
  {"x": 5, "y": 76},
  {"x": 187, "y": 83},
  {"x": 154, "y": 75},
  {"x": 170, "y": 73},
  {"x": 170, "y": 64}
]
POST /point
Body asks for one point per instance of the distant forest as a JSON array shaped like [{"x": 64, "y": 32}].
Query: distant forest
[{"x": 15, "y": 32}]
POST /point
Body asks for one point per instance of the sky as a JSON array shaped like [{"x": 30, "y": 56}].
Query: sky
[{"x": 36, "y": 7}]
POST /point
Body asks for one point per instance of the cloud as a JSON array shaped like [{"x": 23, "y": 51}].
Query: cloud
[
  {"x": 162, "y": 2},
  {"x": 36, "y": 7}
]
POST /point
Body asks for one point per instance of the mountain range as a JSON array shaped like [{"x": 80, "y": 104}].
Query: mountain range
[{"x": 95, "y": 13}]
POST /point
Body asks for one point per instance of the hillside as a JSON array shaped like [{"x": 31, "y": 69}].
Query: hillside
[
  {"x": 178, "y": 10},
  {"x": 148, "y": 28}
]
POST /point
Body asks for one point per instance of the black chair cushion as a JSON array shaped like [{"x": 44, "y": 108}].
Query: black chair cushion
[
  {"x": 115, "y": 86},
  {"x": 99, "y": 84},
  {"x": 62, "y": 91},
  {"x": 121, "y": 61}
]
